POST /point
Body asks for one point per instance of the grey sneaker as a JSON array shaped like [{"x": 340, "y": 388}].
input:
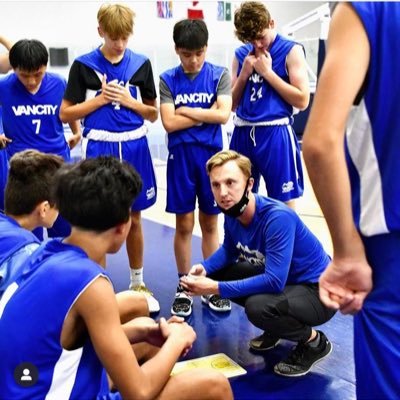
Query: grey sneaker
[
  {"x": 217, "y": 303},
  {"x": 263, "y": 342},
  {"x": 302, "y": 358},
  {"x": 182, "y": 305}
]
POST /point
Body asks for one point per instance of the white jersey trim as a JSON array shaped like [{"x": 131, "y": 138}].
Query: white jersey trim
[
  {"x": 362, "y": 152},
  {"x": 7, "y": 296},
  {"x": 237, "y": 121},
  {"x": 107, "y": 136},
  {"x": 64, "y": 375}
]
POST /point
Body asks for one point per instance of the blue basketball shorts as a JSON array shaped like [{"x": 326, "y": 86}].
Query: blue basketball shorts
[
  {"x": 275, "y": 154},
  {"x": 187, "y": 179},
  {"x": 135, "y": 152}
]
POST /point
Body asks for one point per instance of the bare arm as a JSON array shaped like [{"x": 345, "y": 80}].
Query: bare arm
[
  {"x": 99, "y": 310},
  {"x": 76, "y": 133},
  {"x": 217, "y": 114},
  {"x": 4, "y": 60},
  {"x": 239, "y": 82},
  {"x": 173, "y": 122},
  {"x": 344, "y": 70},
  {"x": 296, "y": 92}
]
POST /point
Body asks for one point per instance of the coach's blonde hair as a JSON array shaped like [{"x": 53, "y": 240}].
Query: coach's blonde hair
[{"x": 222, "y": 157}]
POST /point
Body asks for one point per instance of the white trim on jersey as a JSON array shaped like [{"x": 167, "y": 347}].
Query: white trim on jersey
[
  {"x": 292, "y": 136},
  {"x": 237, "y": 121},
  {"x": 362, "y": 152},
  {"x": 64, "y": 375},
  {"x": 7, "y": 296},
  {"x": 107, "y": 136}
]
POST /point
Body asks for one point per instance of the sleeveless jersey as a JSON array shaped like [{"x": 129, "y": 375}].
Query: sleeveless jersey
[
  {"x": 31, "y": 321},
  {"x": 260, "y": 102},
  {"x": 112, "y": 117},
  {"x": 32, "y": 120},
  {"x": 13, "y": 237},
  {"x": 373, "y": 139},
  {"x": 199, "y": 92}
]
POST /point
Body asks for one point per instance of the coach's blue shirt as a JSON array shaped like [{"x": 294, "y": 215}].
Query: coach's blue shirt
[{"x": 276, "y": 240}]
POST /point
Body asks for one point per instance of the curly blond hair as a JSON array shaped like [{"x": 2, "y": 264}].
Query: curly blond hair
[{"x": 251, "y": 18}]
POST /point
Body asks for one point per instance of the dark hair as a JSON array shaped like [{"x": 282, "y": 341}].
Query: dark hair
[
  {"x": 30, "y": 180},
  {"x": 190, "y": 34},
  {"x": 97, "y": 193},
  {"x": 251, "y": 18},
  {"x": 28, "y": 55}
]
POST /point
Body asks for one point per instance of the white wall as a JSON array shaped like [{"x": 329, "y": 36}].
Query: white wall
[{"x": 73, "y": 23}]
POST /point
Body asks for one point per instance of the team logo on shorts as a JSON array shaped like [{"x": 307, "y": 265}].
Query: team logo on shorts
[
  {"x": 287, "y": 187},
  {"x": 150, "y": 193}
]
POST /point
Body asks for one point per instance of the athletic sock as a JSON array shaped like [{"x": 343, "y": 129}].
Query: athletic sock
[{"x": 136, "y": 277}]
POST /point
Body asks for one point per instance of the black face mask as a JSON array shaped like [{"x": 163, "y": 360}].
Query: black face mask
[{"x": 237, "y": 209}]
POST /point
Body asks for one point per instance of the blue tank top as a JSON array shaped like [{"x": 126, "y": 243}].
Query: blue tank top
[
  {"x": 260, "y": 102},
  {"x": 32, "y": 120},
  {"x": 59, "y": 273},
  {"x": 199, "y": 92},
  {"x": 373, "y": 141},
  {"x": 13, "y": 237},
  {"x": 113, "y": 117}
]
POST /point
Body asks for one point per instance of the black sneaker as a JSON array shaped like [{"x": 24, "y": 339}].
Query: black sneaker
[
  {"x": 263, "y": 342},
  {"x": 302, "y": 358},
  {"x": 217, "y": 303},
  {"x": 182, "y": 305}
]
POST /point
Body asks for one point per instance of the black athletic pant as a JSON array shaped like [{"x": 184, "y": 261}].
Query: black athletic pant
[{"x": 287, "y": 315}]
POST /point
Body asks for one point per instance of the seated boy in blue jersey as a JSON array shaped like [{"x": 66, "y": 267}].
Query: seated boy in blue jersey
[
  {"x": 112, "y": 89},
  {"x": 62, "y": 315},
  {"x": 30, "y": 98},
  {"x": 269, "y": 263},
  {"x": 28, "y": 205},
  {"x": 195, "y": 100}
]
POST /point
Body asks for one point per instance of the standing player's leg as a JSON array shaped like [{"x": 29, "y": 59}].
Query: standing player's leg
[{"x": 137, "y": 153}]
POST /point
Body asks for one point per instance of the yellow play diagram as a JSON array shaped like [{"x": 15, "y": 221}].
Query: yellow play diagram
[{"x": 220, "y": 362}]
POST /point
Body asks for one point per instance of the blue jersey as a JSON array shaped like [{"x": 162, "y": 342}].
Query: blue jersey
[
  {"x": 32, "y": 322},
  {"x": 199, "y": 92},
  {"x": 32, "y": 120},
  {"x": 373, "y": 143},
  {"x": 112, "y": 117},
  {"x": 277, "y": 240},
  {"x": 260, "y": 102},
  {"x": 13, "y": 238}
]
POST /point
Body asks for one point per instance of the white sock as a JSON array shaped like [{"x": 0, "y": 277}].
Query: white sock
[{"x": 136, "y": 277}]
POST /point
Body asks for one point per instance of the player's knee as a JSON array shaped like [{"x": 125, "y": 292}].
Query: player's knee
[
  {"x": 209, "y": 228},
  {"x": 136, "y": 306},
  {"x": 219, "y": 387}
]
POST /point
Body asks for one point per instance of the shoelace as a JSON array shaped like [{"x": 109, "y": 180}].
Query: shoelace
[{"x": 297, "y": 354}]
